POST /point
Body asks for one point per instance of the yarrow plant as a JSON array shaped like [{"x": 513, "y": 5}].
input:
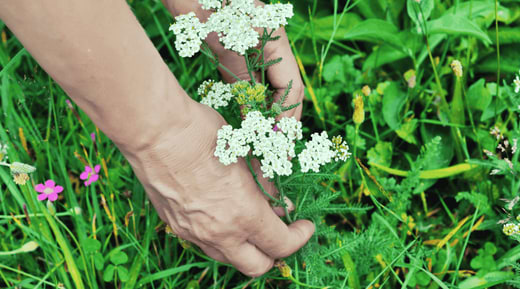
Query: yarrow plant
[{"x": 256, "y": 130}]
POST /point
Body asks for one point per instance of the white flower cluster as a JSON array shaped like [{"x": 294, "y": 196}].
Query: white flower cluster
[
  {"x": 234, "y": 24},
  {"x": 272, "y": 16},
  {"x": 516, "y": 82},
  {"x": 210, "y": 4},
  {"x": 274, "y": 147},
  {"x": 511, "y": 229},
  {"x": 189, "y": 34},
  {"x": 215, "y": 94},
  {"x": 318, "y": 151}
]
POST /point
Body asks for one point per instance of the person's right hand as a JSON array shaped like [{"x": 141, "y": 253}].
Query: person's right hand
[{"x": 219, "y": 208}]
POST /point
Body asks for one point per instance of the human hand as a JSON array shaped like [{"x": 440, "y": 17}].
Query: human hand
[
  {"x": 219, "y": 208},
  {"x": 278, "y": 75}
]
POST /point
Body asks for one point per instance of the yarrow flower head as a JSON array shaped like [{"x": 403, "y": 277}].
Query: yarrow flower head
[
  {"x": 215, "y": 94},
  {"x": 210, "y": 4},
  {"x": 272, "y": 143},
  {"x": 90, "y": 175},
  {"x": 189, "y": 33},
  {"x": 234, "y": 23},
  {"x": 48, "y": 190},
  {"x": 318, "y": 151}
]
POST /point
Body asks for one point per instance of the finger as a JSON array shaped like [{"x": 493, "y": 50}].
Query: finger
[
  {"x": 248, "y": 259},
  {"x": 281, "y": 74},
  {"x": 280, "y": 211},
  {"x": 212, "y": 252},
  {"x": 278, "y": 240}
]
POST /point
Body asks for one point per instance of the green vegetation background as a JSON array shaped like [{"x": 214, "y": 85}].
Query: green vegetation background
[{"x": 423, "y": 209}]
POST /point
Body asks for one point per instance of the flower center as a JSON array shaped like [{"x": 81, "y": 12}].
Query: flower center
[{"x": 48, "y": 191}]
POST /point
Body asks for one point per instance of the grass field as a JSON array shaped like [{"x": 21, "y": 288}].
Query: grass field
[{"x": 426, "y": 201}]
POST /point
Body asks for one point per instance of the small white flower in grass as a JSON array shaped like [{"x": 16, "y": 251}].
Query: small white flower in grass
[
  {"x": 210, "y": 4},
  {"x": 341, "y": 148},
  {"x": 516, "y": 82},
  {"x": 511, "y": 229},
  {"x": 494, "y": 172},
  {"x": 215, "y": 94},
  {"x": 318, "y": 151},
  {"x": 189, "y": 34}
]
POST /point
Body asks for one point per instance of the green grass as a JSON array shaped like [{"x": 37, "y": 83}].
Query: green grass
[{"x": 426, "y": 192}]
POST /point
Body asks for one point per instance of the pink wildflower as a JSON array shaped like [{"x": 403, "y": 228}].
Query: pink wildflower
[
  {"x": 48, "y": 190},
  {"x": 276, "y": 128},
  {"x": 93, "y": 136},
  {"x": 90, "y": 175}
]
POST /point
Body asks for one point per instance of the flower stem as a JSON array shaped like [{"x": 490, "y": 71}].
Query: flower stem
[{"x": 255, "y": 176}]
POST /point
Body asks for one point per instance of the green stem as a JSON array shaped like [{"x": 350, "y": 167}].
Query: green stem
[
  {"x": 255, "y": 176},
  {"x": 212, "y": 57},
  {"x": 470, "y": 117},
  {"x": 498, "y": 57},
  {"x": 282, "y": 198}
]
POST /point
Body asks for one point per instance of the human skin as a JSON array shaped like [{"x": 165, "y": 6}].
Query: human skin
[{"x": 100, "y": 55}]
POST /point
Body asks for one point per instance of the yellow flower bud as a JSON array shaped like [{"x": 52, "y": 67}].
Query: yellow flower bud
[
  {"x": 359, "y": 110},
  {"x": 366, "y": 90}
]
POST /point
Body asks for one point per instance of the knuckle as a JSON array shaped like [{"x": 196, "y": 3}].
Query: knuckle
[{"x": 259, "y": 270}]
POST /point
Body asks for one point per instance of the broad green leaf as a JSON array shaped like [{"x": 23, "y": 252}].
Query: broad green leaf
[
  {"x": 419, "y": 11},
  {"x": 407, "y": 130},
  {"x": 393, "y": 101},
  {"x": 381, "y": 153},
  {"x": 375, "y": 30},
  {"x": 122, "y": 272},
  {"x": 119, "y": 258},
  {"x": 91, "y": 245},
  {"x": 454, "y": 25},
  {"x": 193, "y": 284},
  {"x": 506, "y": 35},
  {"x": 108, "y": 274},
  {"x": 99, "y": 261},
  {"x": 509, "y": 61},
  {"x": 341, "y": 70},
  {"x": 479, "y": 96}
]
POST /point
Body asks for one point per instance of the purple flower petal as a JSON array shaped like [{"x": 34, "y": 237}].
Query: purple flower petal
[
  {"x": 39, "y": 188},
  {"x": 97, "y": 168},
  {"x": 53, "y": 197},
  {"x": 58, "y": 189},
  {"x": 50, "y": 184},
  {"x": 88, "y": 169},
  {"x": 93, "y": 136},
  {"x": 94, "y": 178},
  {"x": 84, "y": 175},
  {"x": 42, "y": 197}
]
